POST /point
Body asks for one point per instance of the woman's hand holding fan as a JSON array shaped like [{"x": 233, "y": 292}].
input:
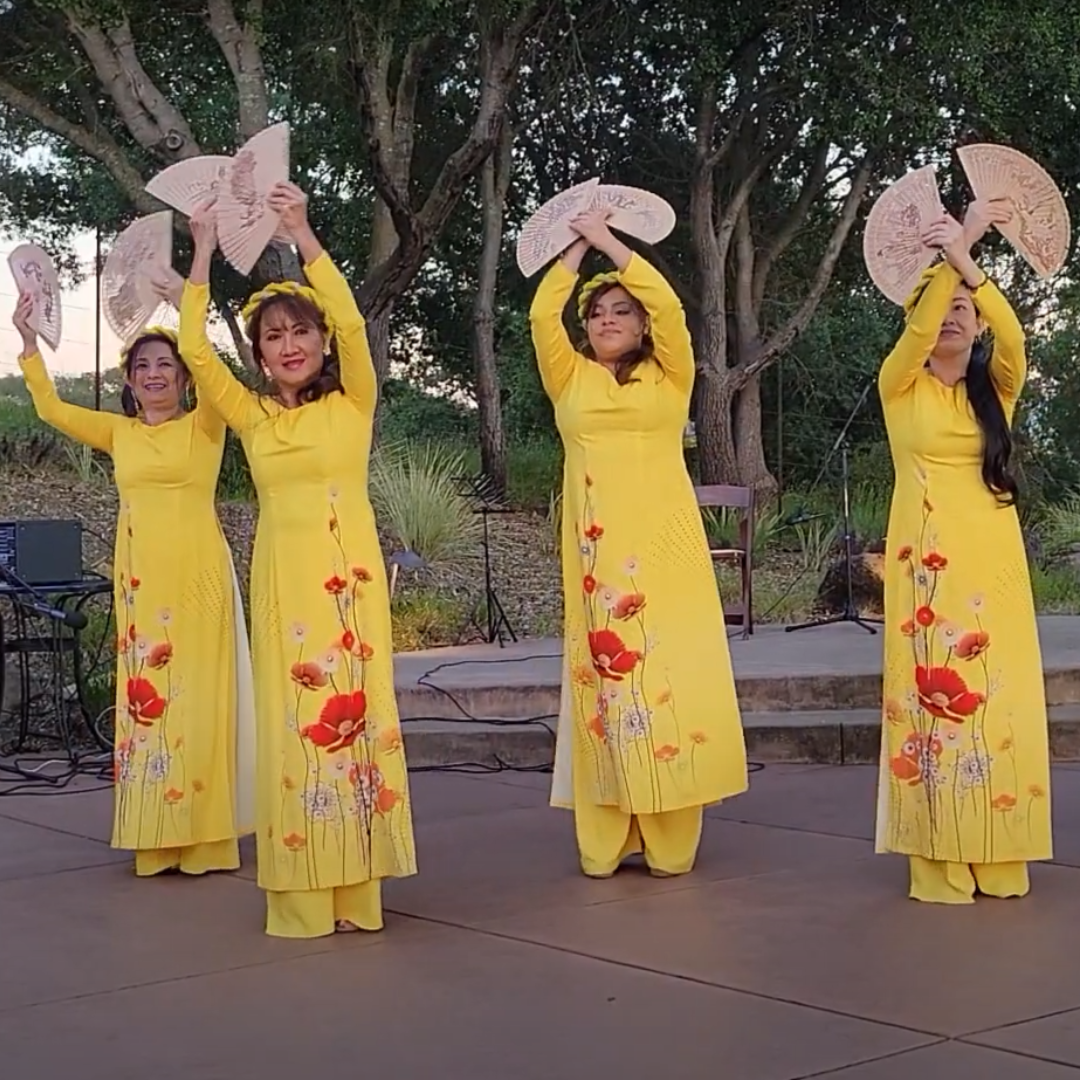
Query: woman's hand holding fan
[{"x": 22, "y": 321}]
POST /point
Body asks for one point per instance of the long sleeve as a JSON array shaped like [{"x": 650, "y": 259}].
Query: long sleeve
[
  {"x": 910, "y": 353},
  {"x": 84, "y": 425},
  {"x": 217, "y": 387},
  {"x": 1008, "y": 363},
  {"x": 555, "y": 355},
  {"x": 358, "y": 378},
  {"x": 671, "y": 338}
]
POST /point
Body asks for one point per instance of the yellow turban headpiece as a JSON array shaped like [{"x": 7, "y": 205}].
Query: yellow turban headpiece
[
  {"x": 587, "y": 290},
  {"x": 148, "y": 332},
  {"x": 286, "y": 288}
]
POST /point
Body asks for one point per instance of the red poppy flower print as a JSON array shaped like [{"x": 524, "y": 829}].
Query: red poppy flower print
[
  {"x": 972, "y": 644},
  {"x": 341, "y": 722},
  {"x": 160, "y": 655},
  {"x": 944, "y": 694},
  {"x": 611, "y": 658},
  {"x": 594, "y": 532},
  {"x": 925, "y": 616},
  {"x": 589, "y": 584},
  {"x": 335, "y": 585},
  {"x": 628, "y": 605},
  {"x": 935, "y": 562},
  {"x": 907, "y": 628},
  {"x": 308, "y": 675},
  {"x": 135, "y": 583},
  {"x": 904, "y": 553},
  {"x": 362, "y": 574},
  {"x": 916, "y": 754},
  {"x": 145, "y": 704}
]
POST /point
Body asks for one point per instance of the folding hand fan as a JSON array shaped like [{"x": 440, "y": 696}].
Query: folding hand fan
[
  {"x": 1039, "y": 229},
  {"x": 143, "y": 248},
  {"x": 245, "y": 223},
  {"x": 893, "y": 249},
  {"x": 547, "y": 233},
  {"x": 35, "y": 273},
  {"x": 636, "y": 212},
  {"x": 186, "y": 185}
]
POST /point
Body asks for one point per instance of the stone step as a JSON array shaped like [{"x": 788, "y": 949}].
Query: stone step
[
  {"x": 811, "y": 736},
  {"x": 510, "y": 695}
]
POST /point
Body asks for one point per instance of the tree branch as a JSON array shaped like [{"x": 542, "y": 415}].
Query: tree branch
[
  {"x": 781, "y": 241},
  {"x": 745, "y": 259},
  {"x": 240, "y": 44},
  {"x": 154, "y": 122},
  {"x": 783, "y": 338},
  {"x": 98, "y": 144}
]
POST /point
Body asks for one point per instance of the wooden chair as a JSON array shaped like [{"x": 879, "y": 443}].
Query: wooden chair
[{"x": 727, "y": 497}]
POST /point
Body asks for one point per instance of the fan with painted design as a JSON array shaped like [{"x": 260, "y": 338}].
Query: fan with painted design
[
  {"x": 188, "y": 184},
  {"x": 636, "y": 212},
  {"x": 547, "y": 233},
  {"x": 1039, "y": 229},
  {"x": 246, "y": 225},
  {"x": 893, "y": 249},
  {"x": 35, "y": 273},
  {"x": 142, "y": 249}
]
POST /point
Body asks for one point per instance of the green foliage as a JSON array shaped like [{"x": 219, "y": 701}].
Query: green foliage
[
  {"x": 425, "y": 619},
  {"x": 417, "y": 500}
]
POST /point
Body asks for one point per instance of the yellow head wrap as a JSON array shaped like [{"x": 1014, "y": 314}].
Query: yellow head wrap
[
  {"x": 285, "y": 288},
  {"x": 147, "y": 332},
  {"x": 587, "y": 290}
]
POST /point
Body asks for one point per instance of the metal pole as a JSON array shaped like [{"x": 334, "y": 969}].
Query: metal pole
[{"x": 97, "y": 318}]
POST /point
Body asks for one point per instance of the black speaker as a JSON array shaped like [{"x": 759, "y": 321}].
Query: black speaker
[{"x": 42, "y": 552}]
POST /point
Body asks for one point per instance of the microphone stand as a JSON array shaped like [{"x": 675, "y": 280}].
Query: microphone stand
[{"x": 849, "y": 613}]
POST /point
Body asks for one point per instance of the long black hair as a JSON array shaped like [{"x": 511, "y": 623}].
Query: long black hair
[{"x": 989, "y": 415}]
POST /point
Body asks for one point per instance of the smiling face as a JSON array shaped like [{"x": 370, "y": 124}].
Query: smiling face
[
  {"x": 289, "y": 338},
  {"x": 156, "y": 376},
  {"x": 615, "y": 323},
  {"x": 960, "y": 327}
]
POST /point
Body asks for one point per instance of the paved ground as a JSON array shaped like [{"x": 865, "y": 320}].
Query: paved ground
[{"x": 790, "y": 953}]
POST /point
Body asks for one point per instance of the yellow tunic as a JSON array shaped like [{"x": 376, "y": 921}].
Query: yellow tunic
[
  {"x": 333, "y": 803},
  {"x": 176, "y": 707},
  {"x": 650, "y": 712},
  {"x": 965, "y": 774}
]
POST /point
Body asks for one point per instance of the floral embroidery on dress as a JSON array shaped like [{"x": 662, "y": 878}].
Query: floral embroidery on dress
[
  {"x": 613, "y": 694},
  {"x": 149, "y": 763},
  {"x": 343, "y": 788},
  {"x": 949, "y": 757}
]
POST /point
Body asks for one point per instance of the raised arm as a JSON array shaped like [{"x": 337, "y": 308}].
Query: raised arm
[
  {"x": 910, "y": 353},
  {"x": 555, "y": 355},
  {"x": 1008, "y": 363},
  {"x": 84, "y": 425},
  {"x": 358, "y": 378},
  {"x": 216, "y": 386},
  {"x": 671, "y": 338}
]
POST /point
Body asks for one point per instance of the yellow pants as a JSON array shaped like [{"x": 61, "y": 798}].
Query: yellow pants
[
  {"x": 956, "y": 883},
  {"x": 606, "y": 835},
  {"x": 316, "y": 912},
  {"x": 194, "y": 859}
]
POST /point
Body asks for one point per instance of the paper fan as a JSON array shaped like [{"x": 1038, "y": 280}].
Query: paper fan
[
  {"x": 188, "y": 184},
  {"x": 128, "y": 298},
  {"x": 636, "y": 212},
  {"x": 547, "y": 233},
  {"x": 1040, "y": 228},
  {"x": 35, "y": 273},
  {"x": 245, "y": 223},
  {"x": 893, "y": 249}
]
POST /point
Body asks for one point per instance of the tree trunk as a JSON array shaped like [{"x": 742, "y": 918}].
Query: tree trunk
[
  {"x": 494, "y": 184},
  {"x": 715, "y": 439},
  {"x": 749, "y": 442},
  {"x": 384, "y": 241}
]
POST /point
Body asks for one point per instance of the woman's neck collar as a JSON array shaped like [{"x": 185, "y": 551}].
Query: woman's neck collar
[
  {"x": 950, "y": 369},
  {"x": 153, "y": 418}
]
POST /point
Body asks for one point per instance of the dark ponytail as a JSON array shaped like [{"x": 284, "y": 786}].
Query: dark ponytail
[
  {"x": 990, "y": 416},
  {"x": 128, "y": 402}
]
